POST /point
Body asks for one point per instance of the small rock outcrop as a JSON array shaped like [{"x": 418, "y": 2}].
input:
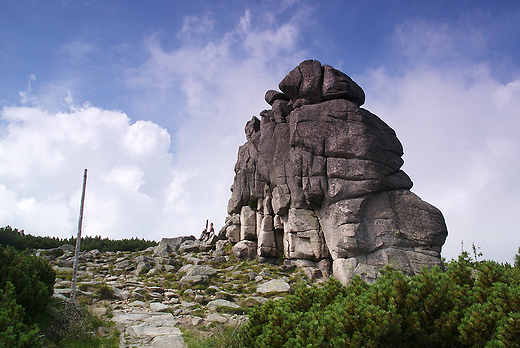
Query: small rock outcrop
[{"x": 319, "y": 182}]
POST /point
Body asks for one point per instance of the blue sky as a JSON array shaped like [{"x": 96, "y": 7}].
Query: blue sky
[{"x": 152, "y": 97}]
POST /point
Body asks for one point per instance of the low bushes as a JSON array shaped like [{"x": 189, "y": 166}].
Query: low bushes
[
  {"x": 472, "y": 304},
  {"x": 26, "y": 285},
  {"x": 13, "y": 330},
  {"x": 32, "y": 278},
  {"x": 29, "y": 315}
]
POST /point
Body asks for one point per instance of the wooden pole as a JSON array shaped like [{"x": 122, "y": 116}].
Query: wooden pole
[{"x": 78, "y": 238}]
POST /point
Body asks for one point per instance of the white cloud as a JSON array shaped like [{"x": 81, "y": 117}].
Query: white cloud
[
  {"x": 128, "y": 178},
  {"x": 42, "y": 157},
  {"x": 223, "y": 82},
  {"x": 145, "y": 137},
  {"x": 459, "y": 128},
  {"x": 136, "y": 187},
  {"x": 78, "y": 50},
  {"x": 195, "y": 26},
  {"x": 24, "y": 95},
  {"x": 421, "y": 41}
]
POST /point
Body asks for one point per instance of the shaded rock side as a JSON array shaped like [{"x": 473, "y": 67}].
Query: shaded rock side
[{"x": 320, "y": 178}]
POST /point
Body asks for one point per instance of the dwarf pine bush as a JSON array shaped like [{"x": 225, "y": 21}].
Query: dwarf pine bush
[
  {"x": 13, "y": 331},
  {"x": 32, "y": 277},
  {"x": 471, "y": 304},
  {"x": 26, "y": 284}
]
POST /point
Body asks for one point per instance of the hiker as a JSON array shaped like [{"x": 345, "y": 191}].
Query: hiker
[
  {"x": 211, "y": 232},
  {"x": 206, "y": 235}
]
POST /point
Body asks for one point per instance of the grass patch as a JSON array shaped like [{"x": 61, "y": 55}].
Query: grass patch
[
  {"x": 64, "y": 274},
  {"x": 73, "y": 326},
  {"x": 228, "y": 249},
  {"x": 99, "y": 291},
  {"x": 200, "y": 286},
  {"x": 221, "y": 336},
  {"x": 210, "y": 291}
]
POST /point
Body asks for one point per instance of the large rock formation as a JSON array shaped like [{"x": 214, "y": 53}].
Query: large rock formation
[{"x": 319, "y": 182}]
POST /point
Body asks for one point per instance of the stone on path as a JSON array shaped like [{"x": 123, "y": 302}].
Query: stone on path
[
  {"x": 168, "y": 341},
  {"x": 157, "y": 328},
  {"x": 159, "y": 307}
]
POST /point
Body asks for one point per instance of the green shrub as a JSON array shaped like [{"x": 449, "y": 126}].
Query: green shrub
[
  {"x": 13, "y": 331},
  {"x": 471, "y": 304},
  {"x": 33, "y": 280}
]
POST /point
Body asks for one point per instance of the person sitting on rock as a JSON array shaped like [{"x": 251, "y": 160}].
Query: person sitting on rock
[
  {"x": 211, "y": 232},
  {"x": 206, "y": 235}
]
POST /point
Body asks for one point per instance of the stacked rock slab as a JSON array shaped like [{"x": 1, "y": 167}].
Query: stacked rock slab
[{"x": 319, "y": 182}]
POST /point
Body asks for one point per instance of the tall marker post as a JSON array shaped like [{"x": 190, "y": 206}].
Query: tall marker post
[{"x": 78, "y": 238}]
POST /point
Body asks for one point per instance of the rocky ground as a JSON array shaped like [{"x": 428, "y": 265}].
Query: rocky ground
[{"x": 152, "y": 294}]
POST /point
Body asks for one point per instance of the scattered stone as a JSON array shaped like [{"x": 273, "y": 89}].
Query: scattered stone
[
  {"x": 194, "y": 279},
  {"x": 99, "y": 311},
  {"x": 67, "y": 247},
  {"x": 158, "y": 307},
  {"x": 190, "y": 246},
  {"x": 245, "y": 249},
  {"x": 147, "y": 330},
  {"x": 186, "y": 268},
  {"x": 189, "y": 292},
  {"x": 137, "y": 303},
  {"x": 220, "y": 259},
  {"x": 213, "y": 305},
  {"x": 176, "y": 242},
  {"x": 202, "y": 270},
  {"x": 168, "y": 341},
  {"x": 264, "y": 273},
  {"x": 63, "y": 292},
  {"x": 275, "y": 285},
  {"x": 137, "y": 295},
  {"x": 142, "y": 267},
  {"x": 162, "y": 250},
  {"x": 152, "y": 272},
  {"x": 170, "y": 294},
  {"x": 216, "y": 317},
  {"x": 121, "y": 294},
  {"x": 148, "y": 314},
  {"x": 193, "y": 260},
  {"x": 145, "y": 258},
  {"x": 196, "y": 321}
]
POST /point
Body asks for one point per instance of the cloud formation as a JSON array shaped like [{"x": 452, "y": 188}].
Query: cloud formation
[
  {"x": 458, "y": 125},
  {"x": 145, "y": 181},
  {"x": 221, "y": 84},
  {"x": 42, "y": 157}
]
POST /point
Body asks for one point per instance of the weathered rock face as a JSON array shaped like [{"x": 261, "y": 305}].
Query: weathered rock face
[{"x": 319, "y": 182}]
